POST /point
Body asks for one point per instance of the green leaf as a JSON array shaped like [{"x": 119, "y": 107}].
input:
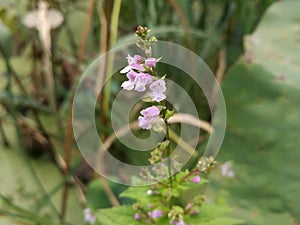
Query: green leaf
[
  {"x": 262, "y": 94},
  {"x": 276, "y": 42},
  {"x": 117, "y": 216},
  {"x": 209, "y": 212},
  {"x": 135, "y": 193},
  {"x": 212, "y": 214},
  {"x": 223, "y": 221},
  {"x": 97, "y": 198}
]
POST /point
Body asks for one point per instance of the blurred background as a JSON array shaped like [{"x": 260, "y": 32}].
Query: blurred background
[{"x": 252, "y": 47}]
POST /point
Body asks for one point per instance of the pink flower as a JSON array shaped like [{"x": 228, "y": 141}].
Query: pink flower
[
  {"x": 137, "y": 216},
  {"x": 189, "y": 206},
  {"x": 151, "y": 62},
  {"x": 129, "y": 85},
  {"x": 89, "y": 216},
  {"x": 136, "y": 81},
  {"x": 141, "y": 81},
  {"x": 158, "y": 88},
  {"x": 156, "y": 214},
  {"x": 196, "y": 179},
  {"x": 149, "y": 116},
  {"x": 134, "y": 63}
]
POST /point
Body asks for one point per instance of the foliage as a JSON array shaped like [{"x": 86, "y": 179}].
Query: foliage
[
  {"x": 262, "y": 95},
  {"x": 209, "y": 214}
]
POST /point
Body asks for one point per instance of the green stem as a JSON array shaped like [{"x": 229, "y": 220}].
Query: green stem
[
  {"x": 168, "y": 154},
  {"x": 112, "y": 41},
  {"x": 3, "y": 135}
]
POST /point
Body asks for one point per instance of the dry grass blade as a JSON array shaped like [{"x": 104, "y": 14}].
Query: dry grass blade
[{"x": 189, "y": 119}]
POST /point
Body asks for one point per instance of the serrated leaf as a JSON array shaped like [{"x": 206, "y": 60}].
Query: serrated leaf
[
  {"x": 136, "y": 193},
  {"x": 117, "y": 216}
]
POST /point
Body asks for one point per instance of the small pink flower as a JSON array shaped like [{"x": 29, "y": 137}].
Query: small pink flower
[
  {"x": 196, "y": 179},
  {"x": 141, "y": 81},
  {"x": 136, "y": 81},
  {"x": 156, "y": 214},
  {"x": 137, "y": 216},
  {"x": 129, "y": 84},
  {"x": 158, "y": 88},
  {"x": 149, "y": 116},
  {"x": 133, "y": 63},
  {"x": 151, "y": 62},
  {"x": 189, "y": 206}
]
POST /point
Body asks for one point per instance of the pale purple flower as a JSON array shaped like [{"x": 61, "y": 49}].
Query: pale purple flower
[
  {"x": 158, "y": 88},
  {"x": 137, "y": 216},
  {"x": 149, "y": 116},
  {"x": 151, "y": 62},
  {"x": 136, "y": 81},
  {"x": 156, "y": 214},
  {"x": 173, "y": 222},
  {"x": 89, "y": 216},
  {"x": 142, "y": 80},
  {"x": 196, "y": 179},
  {"x": 135, "y": 63},
  {"x": 226, "y": 170},
  {"x": 129, "y": 84}
]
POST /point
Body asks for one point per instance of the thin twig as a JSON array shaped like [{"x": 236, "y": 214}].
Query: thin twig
[
  {"x": 85, "y": 32},
  {"x": 111, "y": 196},
  {"x": 69, "y": 135},
  {"x": 68, "y": 155},
  {"x": 189, "y": 119}
]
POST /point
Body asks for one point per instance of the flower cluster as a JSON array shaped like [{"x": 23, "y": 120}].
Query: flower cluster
[
  {"x": 160, "y": 200},
  {"x": 142, "y": 77}
]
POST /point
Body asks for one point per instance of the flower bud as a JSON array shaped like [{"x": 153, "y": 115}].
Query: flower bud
[{"x": 196, "y": 179}]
